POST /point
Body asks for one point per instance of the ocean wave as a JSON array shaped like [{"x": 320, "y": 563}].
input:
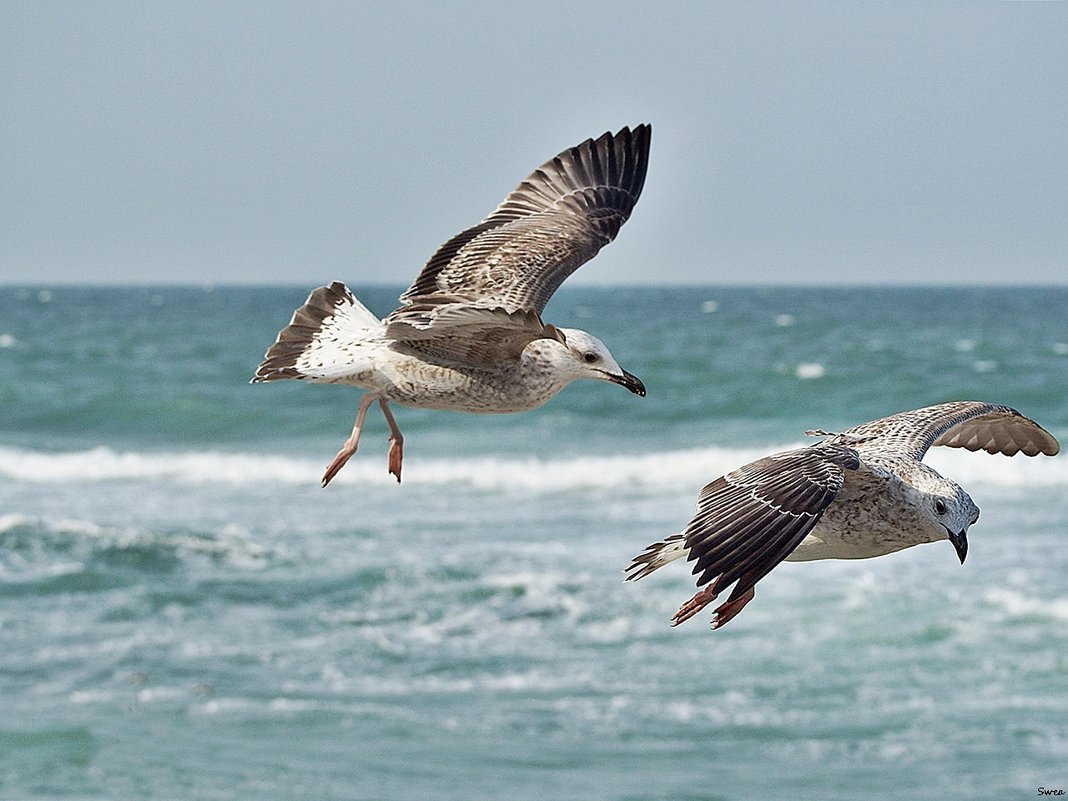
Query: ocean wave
[
  {"x": 24, "y": 534},
  {"x": 690, "y": 468},
  {"x": 1015, "y": 605},
  {"x": 105, "y": 464}
]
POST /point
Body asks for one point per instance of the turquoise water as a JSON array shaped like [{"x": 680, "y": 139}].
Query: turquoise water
[{"x": 185, "y": 614}]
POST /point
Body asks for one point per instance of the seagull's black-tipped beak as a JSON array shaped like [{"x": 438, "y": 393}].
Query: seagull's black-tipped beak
[
  {"x": 631, "y": 382},
  {"x": 960, "y": 543}
]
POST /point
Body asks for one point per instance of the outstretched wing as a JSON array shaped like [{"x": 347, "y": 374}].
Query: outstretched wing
[
  {"x": 752, "y": 518},
  {"x": 973, "y": 425},
  {"x": 557, "y": 219},
  {"x": 480, "y": 297},
  {"x": 554, "y": 221}
]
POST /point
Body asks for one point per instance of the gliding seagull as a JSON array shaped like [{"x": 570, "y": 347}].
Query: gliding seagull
[
  {"x": 468, "y": 335},
  {"x": 864, "y": 492}
]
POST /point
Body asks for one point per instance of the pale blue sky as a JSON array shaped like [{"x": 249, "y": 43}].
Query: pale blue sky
[{"x": 304, "y": 142}]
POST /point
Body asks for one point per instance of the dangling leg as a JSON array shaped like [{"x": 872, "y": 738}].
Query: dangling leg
[
  {"x": 733, "y": 606},
  {"x": 396, "y": 441},
  {"x": 703, "y": 598},
  {"x": 349, "y": 447}
]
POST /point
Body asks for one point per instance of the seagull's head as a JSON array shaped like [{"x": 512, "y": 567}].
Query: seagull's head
[
  {"x": 585, "y": 356},
  {"x": 952, "y": 509}
]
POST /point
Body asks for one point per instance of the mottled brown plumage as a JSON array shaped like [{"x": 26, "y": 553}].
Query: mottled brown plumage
[
  {"x": 860, "y": 493},
  {"x": 468, "y": 335}
]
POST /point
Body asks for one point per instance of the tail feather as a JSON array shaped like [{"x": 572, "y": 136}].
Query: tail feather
[
  {"x": 310, "y": 346},
  {"x": 655, "y": 556}
]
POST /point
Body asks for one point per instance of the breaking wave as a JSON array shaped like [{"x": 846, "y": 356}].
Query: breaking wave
[
  {"x": 673, "y": 468},
  {"x": 23, "y": 535}
]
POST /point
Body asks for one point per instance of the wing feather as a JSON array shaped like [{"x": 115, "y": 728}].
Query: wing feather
[
  {"x": 547, "y": 227},
  {"x": 752, "y": 518},
  {"x": 479, "y": 297},
  {"x": 972, "y": 425}
]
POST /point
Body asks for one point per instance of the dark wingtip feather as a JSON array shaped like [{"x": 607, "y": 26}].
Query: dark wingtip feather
[{"x": 600, "y": 178}]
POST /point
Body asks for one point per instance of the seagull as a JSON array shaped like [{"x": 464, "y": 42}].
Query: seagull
[
  {"x": 468, "y": 335},
  {"x": 856, "y": 494}
]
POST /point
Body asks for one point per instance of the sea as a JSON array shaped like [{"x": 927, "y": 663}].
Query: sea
[{"x": 186, "y": 614}]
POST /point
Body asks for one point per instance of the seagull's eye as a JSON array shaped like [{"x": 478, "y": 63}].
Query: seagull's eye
[
  {"x": 940, "y": 507},
  {"x": 590, "y": 357}
]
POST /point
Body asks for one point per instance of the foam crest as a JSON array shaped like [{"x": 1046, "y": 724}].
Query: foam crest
[
  {"x": 689, "y": 468},
  {"x": 685, "y": 468},
  {"x": 231, "y": 543},
  {"x": 1015, "y": 604},
  {"x": 970, "y": 469},
  {"x": 186, "y": 467}
]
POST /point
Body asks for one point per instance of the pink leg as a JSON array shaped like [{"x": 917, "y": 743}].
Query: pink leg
[
  {"x": 728, "y": 610},
  {"x": 349, "y": 447},
  {"x": 396, "y": 441},
  {"x": 703, "y": 598}
]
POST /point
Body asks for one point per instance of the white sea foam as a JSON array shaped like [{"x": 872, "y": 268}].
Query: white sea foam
[
  {"x": 217, "y": 468},
  {"x": 972, "y": 469},
  {"x": 690, "y": 468},
  {"x": 189, "y": 467},
  {"x": 230, "y": 543},
  {"x": 810, "y": 370},
  {"x": 1015, "y": 604}
]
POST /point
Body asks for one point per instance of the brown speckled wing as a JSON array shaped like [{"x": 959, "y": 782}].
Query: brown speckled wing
[
  {"x": 548, "y": 226},
  {"x": 752, "y": 518},
  {"x": 973, "y": 425}
]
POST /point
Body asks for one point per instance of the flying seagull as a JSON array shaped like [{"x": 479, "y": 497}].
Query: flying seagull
[
  {"x": 468, "y": 335},
  {"x": 857, "y": 494}
]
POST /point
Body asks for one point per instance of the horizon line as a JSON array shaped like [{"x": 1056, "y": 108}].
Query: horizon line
[{"x": 240, "y": 284}]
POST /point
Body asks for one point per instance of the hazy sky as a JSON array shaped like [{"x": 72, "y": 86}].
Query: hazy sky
[{"x": 305, "y": 142}]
